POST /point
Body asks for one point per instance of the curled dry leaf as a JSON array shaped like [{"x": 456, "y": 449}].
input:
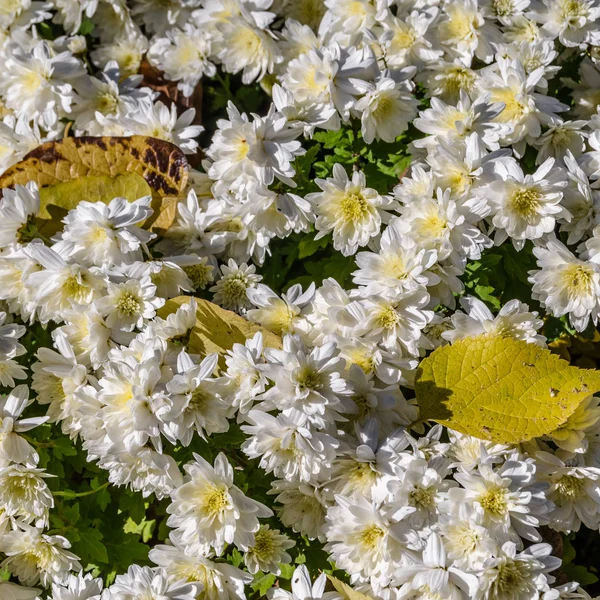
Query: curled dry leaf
[{"x": 102, "y": 168}]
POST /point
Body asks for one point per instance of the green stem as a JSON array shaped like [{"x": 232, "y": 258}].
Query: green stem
[{"x": 70, "y": 494}]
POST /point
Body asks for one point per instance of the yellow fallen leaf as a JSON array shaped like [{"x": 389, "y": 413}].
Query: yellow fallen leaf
[
  {"x": 217, "y": 329},
  {"x": 500, "y": 389}
]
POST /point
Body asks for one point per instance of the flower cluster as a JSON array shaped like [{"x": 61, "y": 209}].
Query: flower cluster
[{"x": 496, "y": 103}]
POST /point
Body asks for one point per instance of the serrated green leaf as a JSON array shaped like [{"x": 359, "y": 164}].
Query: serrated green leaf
[
  {"x": 90, "y": 545},
  {"x": 308, "y": 245},
  {"x": 262, "y": 583},
  {"x": 500, "y": 389}
]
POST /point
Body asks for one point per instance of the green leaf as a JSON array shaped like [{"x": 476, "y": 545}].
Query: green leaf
[
  {"x": 579, "y": 574},
  {"x": 262, "y": 583},
  {"x": 102, "y": 498},
  {"x": 308, "y": 245},
  {"x": 92, "y": 546},
  {"x": 86, "y": 27},
  {"x": 500, "y": 389}
]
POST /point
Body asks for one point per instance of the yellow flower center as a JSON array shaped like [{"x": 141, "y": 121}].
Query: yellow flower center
[
  {"x": 459, "y": 78},
  {"x": 128, "y": 305},
  {"x": 422, "y": 497},
  {"x": 371, "y": 535},
  {"x": 264, "y": 545},
  {"x": 107, "y": 104},
  {"x": 388, "y": 318},
  {"x": 309, "y": 379},
  {"x": 200, "y": 275},
  {"x": 578, "y": 280},
  {"x": 74, "y": 288},
  {"x": 433, "y": 226},
  {"x": 234, "y": 289},
  {"x": 513, "y": 109},
  {"x": 503, "y": 8},
  {"x": 494, "y": 501},
  {"x": 570, "y": 488},
  {"x": 215, "y": 500},
  {"x": 354, "y": 207},
  {"x": 384, "y": 109},
  {"x": 525, "y": 202},
  {"x": 404, "y": 38}
]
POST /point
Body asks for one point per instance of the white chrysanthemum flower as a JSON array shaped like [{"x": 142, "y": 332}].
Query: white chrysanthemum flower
[
  {"x": 447, "y": 80},
  {"x": 61, "y": 286},
  {"x": 405, "y": 42},
  {"x": 512, "y": 503},
  {"x": 514, "y": 320},
  {"x": 35, "y": 83},
  {"x": 302, "y": 507},
  {"x": 574, "y": 22},
  {"x": 566, "y": 285},
  {"x": 396, "y": 324},
  {"x": 362, "y": 540},
  {"x": 231, "y": 290},
  {"x": 524, "y": 109},
  {"x": 574, "y": 491},
  {"x": 263, "y": 148},
  {"x": 126, "y": 50},
  {"x": 209, "y": 511},
  {"x": 519, "y": 576},
  {"x": 13, "y": 447},
  {"x": 303, "y": 588},
  {"x": 443, "y": 225},
  {"x": 288, "y": 446},
  {"x": 12, "y": 591},
  {"x": 435, "y": 575},
  {"x": 421, "y": 486},
  {"x": 35, "y": 557},
  {"x": 78, "y": 587},
  {"x": 464, "y": 32},
  {"x": 88, "y": 335},
  {"x": 18, "y": 212},
  {"x": 145, "y": 471},
  {"x": 386, "y": 110},
  {"x": 582, "y": 202},
  {"x": 561, "y": 140},
  {"x": 268, "y": 551},
  {"x": 128, "y": 305},
  {"x": 309, "y": 380},
  {"x": 349, "y": 209},
  {"x": 105, "y": 235},
  {"x": 247, "y": 48},
  {"x": 159, "y": 121},
  {"x": 281, "y": 315},
  {"x": 218, "y": 580},
  {"x": 571, "y": 435},
  {"x": 144, "y": 582},
  {"x": 399, "y": 265},
  {"x": 183, "y": 55},
  {"x": 24, "y": 495},
  {"x": 195, "y": 405},
  {"x": 468, "y": 543},
  {"x": 242, "y": 381},
  {"x": 525, "y": 207}
]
